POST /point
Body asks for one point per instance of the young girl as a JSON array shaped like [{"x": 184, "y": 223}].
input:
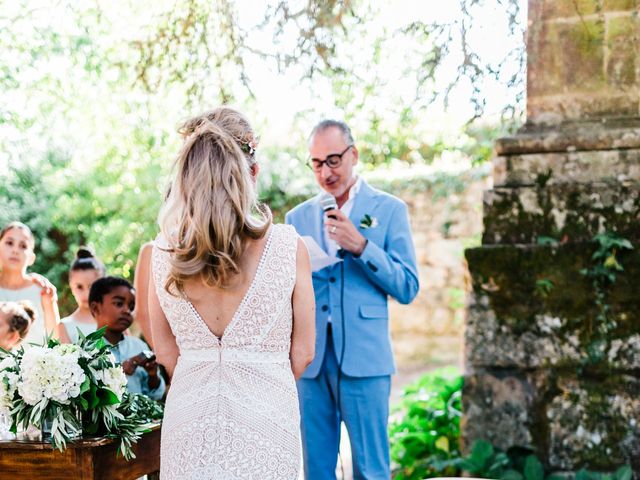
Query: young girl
[
  {"x": 15, "y": 320},
  {"x": 16, "y": 254},
  {"x": 85, "y": 270}
]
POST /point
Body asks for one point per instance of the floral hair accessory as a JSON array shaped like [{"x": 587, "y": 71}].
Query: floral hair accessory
[{"x": 248, "y": 148}]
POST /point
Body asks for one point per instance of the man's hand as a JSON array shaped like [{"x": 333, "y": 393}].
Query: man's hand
[
  {"x": 344, "y": 233},
  {"x": 48, "y": 288}
]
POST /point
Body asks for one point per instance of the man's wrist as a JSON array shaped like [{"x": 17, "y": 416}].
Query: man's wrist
[{"x": 361, "y": 249}]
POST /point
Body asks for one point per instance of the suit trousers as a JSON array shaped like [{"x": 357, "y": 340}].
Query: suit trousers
[{"x": 364, "y": 408}]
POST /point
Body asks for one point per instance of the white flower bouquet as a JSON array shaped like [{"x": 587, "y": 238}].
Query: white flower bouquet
[{"x": 70, "y": 390}]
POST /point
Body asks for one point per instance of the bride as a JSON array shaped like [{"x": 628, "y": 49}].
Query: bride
[{"x": 232, "y": 309}]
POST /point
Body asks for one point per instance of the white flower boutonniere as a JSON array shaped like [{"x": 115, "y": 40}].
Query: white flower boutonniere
[{"x": 368, "y": 222}]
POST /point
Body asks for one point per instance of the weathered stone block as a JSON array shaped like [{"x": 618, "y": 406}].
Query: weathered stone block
[
  {"x": 568, "y": 8},
  {"x": 622, "y": 42},
  {"x": 619, "y": 5},
  {"x": 597, "y": 104},
  {"x": 539, "y": 169},
  {"x": 604, "y": 134},
  {"x": 569, "y": 57},
  {"x": 552, "y": 355},
  {"x": 572, "y": 422},
  {"x": 499, "y": 406},
  {"x": 582, "y": 61},
  {"x": 595, "y": 423},
  {"x": 531, "y": 307},
  {"x": 574, "y": 212}
]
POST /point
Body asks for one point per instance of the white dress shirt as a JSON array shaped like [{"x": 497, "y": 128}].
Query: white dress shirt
[{"x": 332, "y": 246}]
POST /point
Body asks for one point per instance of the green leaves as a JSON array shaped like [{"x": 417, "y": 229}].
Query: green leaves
[
  {"x": 425, "y": 426},
  {"x": 543, "y": 287},
  {"x": 485, "y": 461},
  {"x": 106, "y": 397},
  {"x": 547, "y": 241},
  {"x": 533, "y": 469},
  {"x": 623, "y": 473},
  {"x": 481, "y": 453},
  {"x": 97, "y": 335}
]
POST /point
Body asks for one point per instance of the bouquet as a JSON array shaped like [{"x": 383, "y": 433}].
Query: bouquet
[{"x": 70, "y": 389}]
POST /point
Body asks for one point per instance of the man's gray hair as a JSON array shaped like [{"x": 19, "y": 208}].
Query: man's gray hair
[{"x": 327, "y": 124}]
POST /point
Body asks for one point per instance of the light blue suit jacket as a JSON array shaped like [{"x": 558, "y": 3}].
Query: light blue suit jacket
[{"x": 387, "y": 266}]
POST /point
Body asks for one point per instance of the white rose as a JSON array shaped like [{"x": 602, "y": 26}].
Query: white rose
[{"x": 114, "y": 379}]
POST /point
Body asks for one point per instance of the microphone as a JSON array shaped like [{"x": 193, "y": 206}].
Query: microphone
[{"x": 328, "y": 202}]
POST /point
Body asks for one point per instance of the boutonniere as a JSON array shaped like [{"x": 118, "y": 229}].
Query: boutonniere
[{"x": 368, "y": 222}]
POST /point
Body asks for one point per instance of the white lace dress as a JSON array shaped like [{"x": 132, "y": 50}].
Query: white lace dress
[{"x": 232, "y": 409}]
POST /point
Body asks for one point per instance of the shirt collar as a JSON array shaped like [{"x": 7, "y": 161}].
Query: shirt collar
[{"x": 353, "y": 191}]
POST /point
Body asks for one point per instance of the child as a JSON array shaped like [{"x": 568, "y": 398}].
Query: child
[
  {"x": 112, "y": 300},
  {"x": 85, "y": 270},
  {"x": 15, "y": 320},
  {"x": 16, "y": 254}
]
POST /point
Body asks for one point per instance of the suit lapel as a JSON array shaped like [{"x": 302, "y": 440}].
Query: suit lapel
[{"x": 365, "y": 203}]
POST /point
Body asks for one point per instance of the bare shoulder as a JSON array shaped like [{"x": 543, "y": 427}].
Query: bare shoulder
[
  {"x": 147, "y": 247},
  {"x": 145, "y": 251}
]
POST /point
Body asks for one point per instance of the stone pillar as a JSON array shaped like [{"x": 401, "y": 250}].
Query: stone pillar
[{"x": 552, "y": 361}]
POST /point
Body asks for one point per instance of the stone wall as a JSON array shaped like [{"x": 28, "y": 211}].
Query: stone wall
[
  {"x": 583, "y": 60},
  {"x": 552, "y": 344}
]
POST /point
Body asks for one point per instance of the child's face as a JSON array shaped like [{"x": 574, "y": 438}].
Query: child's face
[
  {"x": 16, "y": 250},
  {"x": 8, "y": 338},
  {"x": 80, "y": 282},
  {"x": 115, "y": 311}
]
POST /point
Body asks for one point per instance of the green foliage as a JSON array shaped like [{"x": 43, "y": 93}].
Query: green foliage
[
  {"x": 547, "y": 241},
  {"x": 603, "y": 271},
  {"x": 606, "y": 264},
  {"x": 425, "y": 427},
  {"x": 111, "y": 206},
  {"x": 543, "y": 287},
  {"x": 484, "y": 461},
  {"x": 138, "y": 414},
  {"x": 424, "y": 433},
  {"x": 521, "y": 463}
]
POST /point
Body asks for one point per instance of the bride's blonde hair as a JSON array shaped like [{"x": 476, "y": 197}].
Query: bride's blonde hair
[{"x": 210, "y": 211}]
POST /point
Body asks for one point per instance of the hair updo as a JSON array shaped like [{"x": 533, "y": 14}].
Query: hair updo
[
  {"x": 212, "y": 208},
  {"x": 86, "y": 260},
  {"x": 19, "y": 315}
]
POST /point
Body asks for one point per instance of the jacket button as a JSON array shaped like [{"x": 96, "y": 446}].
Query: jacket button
[
  {"x": 325, "y": 308},
  {"x": 332, "y": 279}
]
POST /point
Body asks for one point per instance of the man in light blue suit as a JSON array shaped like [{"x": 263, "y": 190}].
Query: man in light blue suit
[{"x": 350, "y": 377}]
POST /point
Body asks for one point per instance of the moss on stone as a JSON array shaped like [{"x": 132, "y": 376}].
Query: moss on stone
[
  {"x": 575, "y": 211},
  {"x": 565, "y": 318}
]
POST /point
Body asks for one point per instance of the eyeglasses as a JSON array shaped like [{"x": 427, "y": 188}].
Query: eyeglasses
[{"x": 333, "y": 161}]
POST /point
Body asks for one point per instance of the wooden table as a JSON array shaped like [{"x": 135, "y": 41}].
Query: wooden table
[{"x": 86, "y": 459}]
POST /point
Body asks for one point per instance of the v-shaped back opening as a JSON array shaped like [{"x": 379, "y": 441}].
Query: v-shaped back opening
[{"x": 245, "y": 297}]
